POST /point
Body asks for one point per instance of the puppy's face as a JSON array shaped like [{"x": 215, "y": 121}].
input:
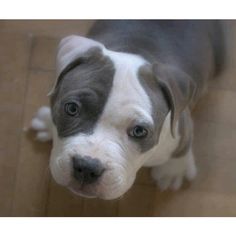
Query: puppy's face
[{"x": 108, "y": 111}]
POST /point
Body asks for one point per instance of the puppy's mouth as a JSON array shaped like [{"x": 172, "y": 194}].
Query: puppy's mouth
[
  {"x": 82, "y": 193},
  {"x": 88, "y": 191},
  {"x": 108, "y": 187}
]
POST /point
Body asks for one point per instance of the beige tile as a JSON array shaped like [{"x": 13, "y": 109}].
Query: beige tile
[
  {"x": 40, "y": 83},
  {"x": 138, "y": 201},
  {"x": 30, "y": 196},
  {"x": 215, "y": 138},
  {"x": 44, "y": 51},
  {"x": 214, "y": 148},
  {"x": 32, "y": 175},
  {"x": 11, "y": 118},
  {"x": 48, "y": 28},
  {"x": 217, "y": 106},
  {"x": 96, "y": 207},
  {"x": 14, "y": 60},
  {"x": 61, "y": 202},
  {"x": 226, "y": 80},
  {"x": 195, "y": 204},
  {"x": 7, "y": 178},
  {"x": 144, "y": 177}
]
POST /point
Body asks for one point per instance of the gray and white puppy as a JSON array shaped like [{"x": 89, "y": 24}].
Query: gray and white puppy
[{"x": 122, "y": 100}]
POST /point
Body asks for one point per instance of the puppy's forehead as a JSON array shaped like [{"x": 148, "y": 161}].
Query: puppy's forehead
[
  {"x": 73, "y": 47},
  {"x": 128, "y": 98},
  {"x": 160, "y": 107},
  {"x": 113, "y": 79}
]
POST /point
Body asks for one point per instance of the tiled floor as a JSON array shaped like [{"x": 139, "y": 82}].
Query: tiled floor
[{"x": 27, "y": 51}]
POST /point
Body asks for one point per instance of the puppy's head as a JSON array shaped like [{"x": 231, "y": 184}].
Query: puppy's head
[{"x": 108, "y": 110}]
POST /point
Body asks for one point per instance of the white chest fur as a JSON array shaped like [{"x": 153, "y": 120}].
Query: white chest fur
[{"x": 161, "y": 153}]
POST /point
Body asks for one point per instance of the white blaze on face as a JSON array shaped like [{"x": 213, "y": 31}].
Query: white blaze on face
[{"x": 109, "y": 142}]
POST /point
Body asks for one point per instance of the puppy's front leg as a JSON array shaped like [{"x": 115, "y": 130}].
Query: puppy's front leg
[
  {"x": 42, "y": 124},
  {"x": 171, "y": 174}
]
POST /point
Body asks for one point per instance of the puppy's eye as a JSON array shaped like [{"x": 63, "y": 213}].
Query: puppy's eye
[
  {"x": 138, "y": 132},
  {"x": 71, "y": 108}
]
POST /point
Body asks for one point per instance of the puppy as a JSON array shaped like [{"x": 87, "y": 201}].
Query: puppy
[{"x": 122, "y": 100}]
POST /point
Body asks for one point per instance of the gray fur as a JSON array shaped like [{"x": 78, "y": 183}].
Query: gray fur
[
  {"x": 189, "y": 53},
  {"x": 88, "y": 82},
  {"x": 186, "y": 134},
  {"x": 158, "y": 101},
  {"x": 161, "y": 84},
  {"x": 179, "y": 87},
  {"x": 194, "y": 46}
]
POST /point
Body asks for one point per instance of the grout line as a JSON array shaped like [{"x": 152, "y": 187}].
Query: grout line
[
  {"x": 38, "y": 69},
  {"x": 48, "y": 194},
  {"x": 25, "y": 32}
]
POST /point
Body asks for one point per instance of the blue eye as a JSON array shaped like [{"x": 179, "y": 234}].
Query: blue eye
[
  {"x": 138, "y": 132},
  {"x": 71, "y": 108}
]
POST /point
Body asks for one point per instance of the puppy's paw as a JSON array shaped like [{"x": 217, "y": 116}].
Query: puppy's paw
[
  {"x": 171, "y": 174},
  {"x": 42, "y": 124}
]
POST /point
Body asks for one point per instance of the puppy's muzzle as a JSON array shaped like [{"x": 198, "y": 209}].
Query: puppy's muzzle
[{"x": 87, "y": 170}]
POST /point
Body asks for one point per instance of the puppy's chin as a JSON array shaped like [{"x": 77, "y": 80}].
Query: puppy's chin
[
  {"x": 88, "y": 194},
  {"x": 81, "y": 192},
  {"x": 100, "y": 190}
]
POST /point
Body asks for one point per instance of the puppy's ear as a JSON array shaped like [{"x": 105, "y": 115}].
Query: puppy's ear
[
  {"x": 178, "y": 87},
  {"x": 70, "y": 50}
]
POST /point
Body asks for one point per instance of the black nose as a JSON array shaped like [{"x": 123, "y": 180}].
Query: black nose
[{"x": 86, "y": 169}]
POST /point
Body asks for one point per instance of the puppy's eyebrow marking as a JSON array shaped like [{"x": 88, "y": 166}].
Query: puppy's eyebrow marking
[
  {"x": 78, "y": 61},
  {"x": 159, "y": 105},
  {"x": 70, "y": 67},
  {"x": 92, "y": 70}
]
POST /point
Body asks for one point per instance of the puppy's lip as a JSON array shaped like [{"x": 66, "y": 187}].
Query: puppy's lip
[{"x": 81, "y": 193}]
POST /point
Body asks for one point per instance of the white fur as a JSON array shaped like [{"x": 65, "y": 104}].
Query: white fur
[
  {"x": 169, "y": 172},
  {"x": 42, "y": 123},
  {"x": 127, "y": 102},
  {"x": 161, "y": 153},
  {"x": 172, "y": 173},
  {"x": 109, "y": 142}
]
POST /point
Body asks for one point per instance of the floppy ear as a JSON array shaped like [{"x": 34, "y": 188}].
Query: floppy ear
[
  {"x": 70, "y": 49},
  {"x": 179, "y": 88}
]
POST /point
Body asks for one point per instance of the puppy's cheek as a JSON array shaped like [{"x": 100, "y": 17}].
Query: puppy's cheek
[
  {"x": 117, "y": 182},
  {"x": 118, "y": 191},
  {"x": 61, "y": 175}
]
